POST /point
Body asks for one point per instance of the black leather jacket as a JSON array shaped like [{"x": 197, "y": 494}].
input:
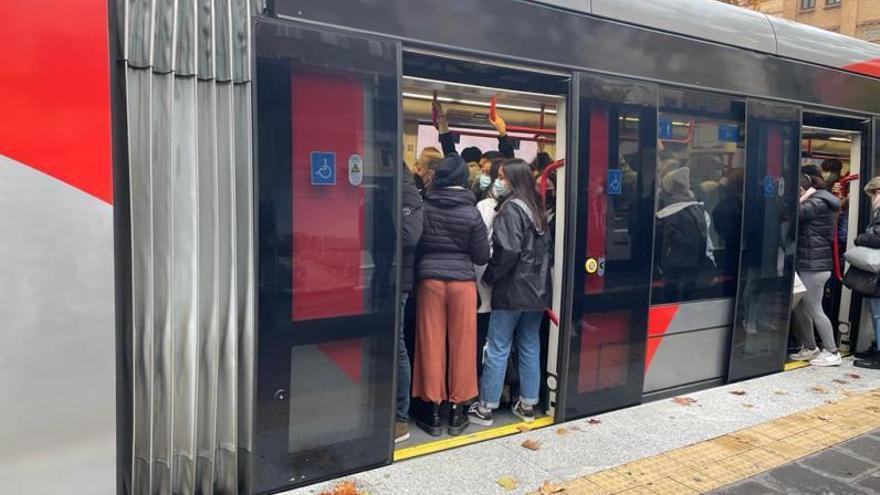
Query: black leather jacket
[
  {"x": 871, "y": 236},
  {"x": 519, "y": 271},
  {"x": 816, "y": 231}
]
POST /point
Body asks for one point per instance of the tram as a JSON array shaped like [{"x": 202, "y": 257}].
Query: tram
[{"x": 201, "y": 272}]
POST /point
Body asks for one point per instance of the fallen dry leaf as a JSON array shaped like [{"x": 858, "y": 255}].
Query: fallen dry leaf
[
  {"x": 819, "y": 389},
  {"x": 508, "y": 482},
  {"x": 594, "y": 421},
  {"x": 684, "y": 401},
  {"x": 840, "y": 381},
  {"x": 548, "y": 488},
  {"x": 748, "y": 406},
  {"x": 575, "y": 428},
  {"x": 532, "y": 444},
  {"x": 738, "y": 392},
  {"x": 562, "y": 431},
  {"x": 853, "y": 376},
  {"x": 781, "y": 392},
  {"x": 523, "y": 428},
  {"x": 344, "y": 488}
]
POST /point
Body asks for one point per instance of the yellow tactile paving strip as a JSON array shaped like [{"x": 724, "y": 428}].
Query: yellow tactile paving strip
[{"x": 709, "y": 465}]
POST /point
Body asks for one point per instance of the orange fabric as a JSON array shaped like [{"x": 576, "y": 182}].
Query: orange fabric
[{"x": 446, "y": 316}]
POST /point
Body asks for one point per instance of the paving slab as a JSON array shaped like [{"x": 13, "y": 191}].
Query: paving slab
[{"x": 622, "y": 437}]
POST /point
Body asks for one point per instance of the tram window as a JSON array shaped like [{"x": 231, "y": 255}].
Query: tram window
[{"x": 698, "y": 212}]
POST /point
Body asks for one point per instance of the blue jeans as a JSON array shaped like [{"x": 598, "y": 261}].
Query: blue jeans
[
  {"x": 504, "y": 326},
  {"x": 874, "y": 306},
  {"x": 403, "y": 370}
]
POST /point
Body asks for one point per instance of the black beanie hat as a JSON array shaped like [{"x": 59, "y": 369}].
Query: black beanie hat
[{"x": 452, "y": 171}]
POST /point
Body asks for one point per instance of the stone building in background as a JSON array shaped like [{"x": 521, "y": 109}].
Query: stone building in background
[{"x": 858, "y": 18}]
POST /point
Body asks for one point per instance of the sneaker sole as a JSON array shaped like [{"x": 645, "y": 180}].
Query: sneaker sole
[
  {"x": 825, "y": 365},
  {"x": 402, "y": 438},
  {"x": 524, "y": 418},
  {"x": 478, "y": 421}
]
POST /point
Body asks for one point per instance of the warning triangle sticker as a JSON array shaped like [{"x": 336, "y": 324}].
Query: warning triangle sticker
[{"x": 355, "y": 169}]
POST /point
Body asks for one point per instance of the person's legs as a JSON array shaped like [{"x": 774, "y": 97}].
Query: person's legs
[
  {"x": 502, "y": 324},
  {"x": 404, "y": 378},
  {"x": 815, "y": 283},
  {"x": 429, "y": 373},
  {"x": 874, "y": 306},
  {"x": 461, "y": 320},
  {"x": 803, "y": 326},
  {"x": 528, "y": 347}
]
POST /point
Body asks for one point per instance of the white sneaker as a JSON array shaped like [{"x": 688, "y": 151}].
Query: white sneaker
[
  {"x": 804, "y": 354},
  {"x": 827, "y": 359}
]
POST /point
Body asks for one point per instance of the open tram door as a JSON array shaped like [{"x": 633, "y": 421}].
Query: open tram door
[
  {"x": 328, "y": 167},
  {"x": 769, "y": 240},
  {"x": 608, "y": 257}
]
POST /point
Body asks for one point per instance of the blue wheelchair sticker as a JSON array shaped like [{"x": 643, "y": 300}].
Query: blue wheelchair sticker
[
  {"x": 664, "y": 128},
  {"x": 323, "y": 168},
  {"x": 769, "y": 187},
  {"x": 728, "y": 133},
  {"x": 615, "y": 182}
]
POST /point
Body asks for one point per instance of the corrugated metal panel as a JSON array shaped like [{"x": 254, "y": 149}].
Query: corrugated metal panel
[
  {"x": 186, "y": 38},
  {"x": 163, "y": 39},
  {"x": 190, "y": 154}
]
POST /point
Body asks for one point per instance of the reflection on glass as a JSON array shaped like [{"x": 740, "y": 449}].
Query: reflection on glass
[
  {"x": 698, "y": 214},
  {"x": 327, "y": 164},
  {"x": 769, "y": 228},
  {"x": 613, "y": 224}
]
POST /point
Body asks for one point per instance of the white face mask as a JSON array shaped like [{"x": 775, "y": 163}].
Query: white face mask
[
  {"x": 485, "y": 181},
  {"x": 500, "y": 188}
]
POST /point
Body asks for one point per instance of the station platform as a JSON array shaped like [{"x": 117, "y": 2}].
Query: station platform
[{"x": 722, "y": 440}]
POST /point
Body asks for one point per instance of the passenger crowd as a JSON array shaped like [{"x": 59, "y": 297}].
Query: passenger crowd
[
  {"x": 476, "y": 240},
  {"x": 822, "y": 218}
]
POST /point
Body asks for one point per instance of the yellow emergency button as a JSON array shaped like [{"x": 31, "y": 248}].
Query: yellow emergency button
[{"x": 591, "y": 266}]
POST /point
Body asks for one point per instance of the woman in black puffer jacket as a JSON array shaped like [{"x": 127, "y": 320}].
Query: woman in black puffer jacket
[
  {"x": 454, "y": 239},
  {"x": 814, "y": 264}
]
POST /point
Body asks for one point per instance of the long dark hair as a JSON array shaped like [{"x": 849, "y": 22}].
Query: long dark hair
[{"x": 522, "y": 187}]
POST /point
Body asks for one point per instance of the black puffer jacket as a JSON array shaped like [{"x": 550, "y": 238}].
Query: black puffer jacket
[
  {"x": 519, "y": 272},
  {"x": 454, "y": 238},
  {"x": 816, "y": 231},
  {"x": 682, "y": 234},
  {"x": 411, "y": 217},
  {"x": 871, "y": 236}
]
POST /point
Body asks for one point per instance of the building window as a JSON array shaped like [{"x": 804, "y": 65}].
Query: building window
[
  {"x": 808, "y": 4},
  {"x": 832, "y": 3}
]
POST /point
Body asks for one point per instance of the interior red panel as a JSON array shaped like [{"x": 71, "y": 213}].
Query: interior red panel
[
  {"x": 55, "y": 89},
  {"x": 604, "y": 353},
  {"x": 328, "y": 220},
  {"x": 348, "y": 355},
  {"x": 596, "y": 197}
]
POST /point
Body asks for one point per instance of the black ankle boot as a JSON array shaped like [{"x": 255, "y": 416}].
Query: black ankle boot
[
  {"x": 458, "y": 419},
  {"x": 427, "y": 415}
]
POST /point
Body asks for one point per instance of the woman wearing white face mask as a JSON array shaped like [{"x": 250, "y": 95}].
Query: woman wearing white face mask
[{"x": 494, "y": 191}]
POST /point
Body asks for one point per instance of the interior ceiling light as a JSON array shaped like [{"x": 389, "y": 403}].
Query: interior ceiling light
[
  {"x": 475, "y": 103},
  {"x": 840, "y": 139}
]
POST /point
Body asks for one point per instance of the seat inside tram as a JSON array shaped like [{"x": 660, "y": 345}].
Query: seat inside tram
[{"x": 468, "y": 92}]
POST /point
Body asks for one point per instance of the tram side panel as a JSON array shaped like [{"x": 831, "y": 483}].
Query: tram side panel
[{"x": 57, "y": 386}]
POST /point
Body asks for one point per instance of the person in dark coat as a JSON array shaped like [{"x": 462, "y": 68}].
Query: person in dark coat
[
  {"x": 412, "y": 222},
  {"x": 814, "y": 263},
  {"x": 870, "y": 238},
  {"x": 682, "y": 234},
  {"x": 454, "y": 239},
  {"x": 519, "y": 274}
]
